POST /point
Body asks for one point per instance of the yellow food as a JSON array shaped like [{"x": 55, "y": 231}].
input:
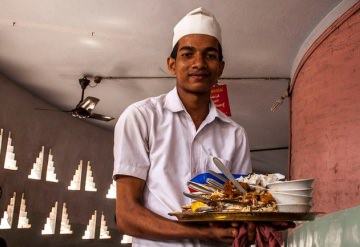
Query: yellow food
[{"x": 196, "y": 205}]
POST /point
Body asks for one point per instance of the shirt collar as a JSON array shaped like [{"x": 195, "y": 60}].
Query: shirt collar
[
  {"x": 174, "y": 104},
  {"x": 215, "y": 113}
]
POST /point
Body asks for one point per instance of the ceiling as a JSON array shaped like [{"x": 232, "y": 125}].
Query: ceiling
[{"x": 47, "y": 45}]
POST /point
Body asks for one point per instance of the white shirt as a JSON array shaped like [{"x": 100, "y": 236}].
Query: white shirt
[{"x": 157, "y": 141}]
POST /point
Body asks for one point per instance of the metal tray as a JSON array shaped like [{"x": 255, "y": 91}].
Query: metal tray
[{"x": 243, "y": 216}]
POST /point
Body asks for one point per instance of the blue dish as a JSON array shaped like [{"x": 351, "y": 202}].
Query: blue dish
[{"x": 201, "y": 178}]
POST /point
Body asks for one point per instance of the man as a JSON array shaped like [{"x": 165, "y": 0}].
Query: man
[{"x": 162, "y": 142}]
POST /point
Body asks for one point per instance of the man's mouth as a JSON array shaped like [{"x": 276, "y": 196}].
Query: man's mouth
[{"x": 199, "y": 75}]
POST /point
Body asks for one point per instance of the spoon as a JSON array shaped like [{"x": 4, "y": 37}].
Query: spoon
[
  {"x": 200, "y": 187},
  {"x": 228, "y": 174}
]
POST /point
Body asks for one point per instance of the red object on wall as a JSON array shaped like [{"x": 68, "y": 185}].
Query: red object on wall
[
  {"x": 325, "y": 122},
  {"x": 220, "y": 98}
]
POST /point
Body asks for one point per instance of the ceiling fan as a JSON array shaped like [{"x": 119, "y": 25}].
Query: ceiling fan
[{"x": 85, "y": 107}]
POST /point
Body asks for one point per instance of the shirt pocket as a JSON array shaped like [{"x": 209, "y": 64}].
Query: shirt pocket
[{"x": 211, "y": 165}]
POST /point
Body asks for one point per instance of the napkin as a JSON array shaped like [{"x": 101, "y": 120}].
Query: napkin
[{"x": 266, "y": 236}]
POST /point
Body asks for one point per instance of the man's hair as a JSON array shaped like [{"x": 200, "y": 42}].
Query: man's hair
[{"x": 176, "y": 47}]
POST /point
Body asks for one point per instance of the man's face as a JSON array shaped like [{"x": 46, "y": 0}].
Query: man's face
[{"x": 197, "y": 66}]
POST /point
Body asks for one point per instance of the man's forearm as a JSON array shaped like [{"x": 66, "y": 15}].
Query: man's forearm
[
  {"x": 139, "y": 221},
  {"x": 134, "y": 219}
]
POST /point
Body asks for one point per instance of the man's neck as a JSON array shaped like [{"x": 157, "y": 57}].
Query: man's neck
[{"x": 197, "y": 105}]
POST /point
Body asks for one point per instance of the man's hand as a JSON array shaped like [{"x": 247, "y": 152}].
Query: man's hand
[
  {"x": 282, "y": 225},
  {"x": 224, "y": 231},
  {"x": 235, "y": 226},
  {"x": 250, "y": 229}
]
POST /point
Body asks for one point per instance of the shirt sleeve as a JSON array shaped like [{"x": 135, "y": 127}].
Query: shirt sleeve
[
  {"x": 131, "y": 150},
  {"x": 242, "y": 160}
]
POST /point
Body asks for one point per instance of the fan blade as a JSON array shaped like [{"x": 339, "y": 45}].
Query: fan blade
[
  {"x": 88, "y": 104},
  {"x": 44, "y": 109},
  {"x": 100, "y": 117}
]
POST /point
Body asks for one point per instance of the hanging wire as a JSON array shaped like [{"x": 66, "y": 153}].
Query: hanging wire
[{"x": 281, "y": 100}]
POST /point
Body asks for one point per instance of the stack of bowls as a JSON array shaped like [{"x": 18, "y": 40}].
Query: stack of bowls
[{"x": 292, "y": 196}]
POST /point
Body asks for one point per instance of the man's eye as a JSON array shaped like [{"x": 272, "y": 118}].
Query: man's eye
[
  {"x": 211, "y": 56},
  {"x": 186, "y": 55}
]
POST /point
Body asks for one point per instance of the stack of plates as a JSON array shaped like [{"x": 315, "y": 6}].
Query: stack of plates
[{"x": 292, "y": 196}]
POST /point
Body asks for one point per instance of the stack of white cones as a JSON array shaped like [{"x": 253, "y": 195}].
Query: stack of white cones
[
  {"x": 90, "y": 228},
  {"x": 10, "y": 162},
  {"x": 76, "y": 181},
  {"x": 35, "y": 172},
  {"x": 104, "y": 233},
  {"x": 50, "y": 171},
  {"x": 89, "y": 181},
  {"x": 7, "y": 219},
  {"x": 112, "y": 191},
  {"x": 65, "y": 227},
  {"x": 126, "y": 239},
  {"x": 23, "y": 219},
  {"x": 50, "y": 224}
]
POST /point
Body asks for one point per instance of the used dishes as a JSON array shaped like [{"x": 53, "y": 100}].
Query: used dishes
[
  {"x": 292, "y": 196},
  {"x": 264, "y": 193},
  {"x": 285, "y": 198},
  {"x": 302, "y": 192},
  {"x": 292, "y": 185}
]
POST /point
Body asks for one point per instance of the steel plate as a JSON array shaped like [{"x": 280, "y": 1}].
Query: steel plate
[{"x": 243, "y": 216}]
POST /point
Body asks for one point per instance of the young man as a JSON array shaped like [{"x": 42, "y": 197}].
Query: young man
[{"x": 162, "y": 142}]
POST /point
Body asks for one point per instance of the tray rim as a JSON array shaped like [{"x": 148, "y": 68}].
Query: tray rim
[{"x": 243, "y": 216}]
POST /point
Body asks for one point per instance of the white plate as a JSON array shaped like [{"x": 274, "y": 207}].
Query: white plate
[
  {"x": 302, "y": 192},
  {"x": 294, "y": 208},
  {"x": 292, "y": 184},
  {"x": 285, "y": 198}
]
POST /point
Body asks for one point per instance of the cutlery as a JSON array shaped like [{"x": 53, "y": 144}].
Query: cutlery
[
  {"x": 200, "y": 187},
  {"x": 220, "y": 177},
  {"x": 198, "y": 198},
  {"x": 215, "y": 184},
  {"x": 209, "y": 201},
  {"x": 206, "y": 209},
  {"x": 257, "y": 187},
  {"x": 228, "y": 174}
]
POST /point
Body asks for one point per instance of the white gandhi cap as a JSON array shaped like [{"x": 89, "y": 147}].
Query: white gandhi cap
[{"x": 198, "y": 21}]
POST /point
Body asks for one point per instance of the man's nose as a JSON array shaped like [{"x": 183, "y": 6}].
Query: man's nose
[{"x": 199, "y": 62}]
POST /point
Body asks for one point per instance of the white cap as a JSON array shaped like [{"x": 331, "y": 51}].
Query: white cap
[{"x": 198, "y": 21}]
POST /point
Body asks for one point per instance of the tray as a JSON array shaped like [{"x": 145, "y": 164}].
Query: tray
[{"x": 243, "y": 216}]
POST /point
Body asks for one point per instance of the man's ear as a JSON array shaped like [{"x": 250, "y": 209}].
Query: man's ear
[
  {"x": 171, "y": 65},
  {"x": 221, "y": 67}
]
